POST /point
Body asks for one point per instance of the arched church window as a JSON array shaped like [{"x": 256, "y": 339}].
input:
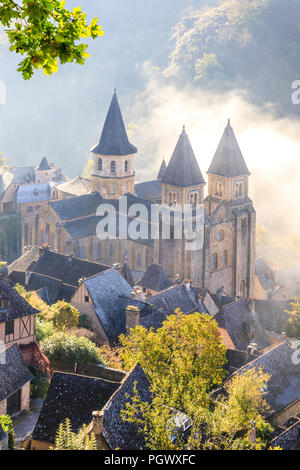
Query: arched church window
[
  {"x": 139, "y": 260},
  {"x": 126, "y": 166},
  {"x": 113, "y": 167},
  {"x": 100, "y": 164},
  {"x": 243, "y": 289},
  {"x": 220, "y": 235},
  {"x": 241, "y": 189},
  {"x": 225, "y": 258},
  {"x": 237, "y": 190},
  {"x": 192, "y": 200},
  {"x": 170, "y": 199},
  {"x": 99, "y": 250},
  {"x": 195, "y": 199},
  {"x": 174, "y": 199},
  {"x": 214, "y": 263}
]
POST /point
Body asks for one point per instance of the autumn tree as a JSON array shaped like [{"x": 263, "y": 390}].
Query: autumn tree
[
  {"x": 66, "y": 439},
  {"x": 292, "y": 326},
  {"x": 64, "y": 315},
  {"x": 183, "y": 359},
  {"x": 46, "y": 33}
]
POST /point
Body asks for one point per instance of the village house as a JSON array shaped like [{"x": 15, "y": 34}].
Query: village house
[
  {"x": 15, "y": 380},
  {"x": 53, "y": 275},
  {"x": 75, "y": 187},
  {"x": 95, "y": 402}
]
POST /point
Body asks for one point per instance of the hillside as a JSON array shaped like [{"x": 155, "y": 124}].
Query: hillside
[{"x": 253, "y": 45}]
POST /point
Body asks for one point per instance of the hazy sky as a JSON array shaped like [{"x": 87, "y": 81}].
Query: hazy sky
[{"x": 61, "y": 116}]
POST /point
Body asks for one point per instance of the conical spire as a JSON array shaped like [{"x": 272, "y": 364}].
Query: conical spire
[
  {"x": 228, "y": 160},
  {"x": 162, "y": 170},
  {"x": 183, "y": 169},
  {"x": 44, "y": 165},
  {"x": 114, "y": 140}
]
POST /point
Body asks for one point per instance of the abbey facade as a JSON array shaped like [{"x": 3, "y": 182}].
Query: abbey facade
[{"x": 227, "y": 259}]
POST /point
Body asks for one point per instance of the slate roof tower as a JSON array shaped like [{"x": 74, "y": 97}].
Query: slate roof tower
[
  {"x": 228, "y": 173},
  {"x": 113, "y": 167},
  {"x": 183, "y": 182}
]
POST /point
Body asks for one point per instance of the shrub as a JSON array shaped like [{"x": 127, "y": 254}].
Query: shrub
[
  {"x": 66, "y": 439},
  {"x": 70, "y": 349},
  {"x": 44, "y": 329},
  {"x": 39, "y": 386},
  {"x": 64, "y": 315},
  {"x": 83, "y": 332},
  {"x": 7, "y": 425}
]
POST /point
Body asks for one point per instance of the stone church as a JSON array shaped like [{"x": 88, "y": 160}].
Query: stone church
[{"x": 226, "y": 262}]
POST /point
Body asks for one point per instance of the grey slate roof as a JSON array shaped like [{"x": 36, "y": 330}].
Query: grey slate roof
[
  {"x": 149, "y": 190},
  {"x": 14, "y": 373},
  {"x": 239, "y": 322},
  {"x": 228, "y": 160},
  {"x": 56, "y": 289},
  {"x": 183, "y": 169},
  {"x": 44, "y": 165},
  {"x": 271, "y": 314},
  {"x": 114, "y": 139},
  {"x": 162, "y": 170},
  {"x": 117, "y": 433},
  {"x": 66, "y": 268},
  {"x": 74, "y": 397},
  {"x": 155, "y": 278},
  {"x": 126, "y": 273},
  {"x": 173, "y": 298},
  {"x": 34, "y": 193},
  {"x": 75, "y": 187},
  {"x": 284, "y": 385},
  {"x": 265, "y": 275},
  {"x": 105, "y": 290},
  {"x": 26, "y": 261},
  {"x": 78, "y": 206},
  {"x": 17, "y": 306}
]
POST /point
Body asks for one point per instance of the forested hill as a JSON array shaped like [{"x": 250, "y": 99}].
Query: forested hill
[{"x": 252, "y": 45}]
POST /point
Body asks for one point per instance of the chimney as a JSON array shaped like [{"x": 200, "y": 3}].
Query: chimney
[
  {"x": 187, "y": 284},
  {"x": 132, "y": 318},
  {"x": 199, "y": 298},
  {"x": 252, "y": 349},
  {"x": 97, "y": 423},
  {"x": 137, "y": 294},
  {"x": 27, "y": 278},
  {"x": 251, "y": 305}
]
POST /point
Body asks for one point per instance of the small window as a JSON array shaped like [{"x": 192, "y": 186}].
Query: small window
[
  {"x": 214, "y": 263},
  {"x": 3, "y": 303},
  {"x": 86, "y": 299},
  {"x": 225, "y": 258},
  {"x": 100, "y": 164},
  {"x": 126, "y": 166},
  {"x": 113, "y": 167},
  {"x": 9, "y": 327}
]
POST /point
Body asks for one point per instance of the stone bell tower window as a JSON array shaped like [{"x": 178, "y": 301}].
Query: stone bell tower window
[
  {"x": 100, "y": 164},
  {"x": 126, "y": 166},
  {"x": 113, "y": 167},
  {"x": 214, "y": 263}
]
